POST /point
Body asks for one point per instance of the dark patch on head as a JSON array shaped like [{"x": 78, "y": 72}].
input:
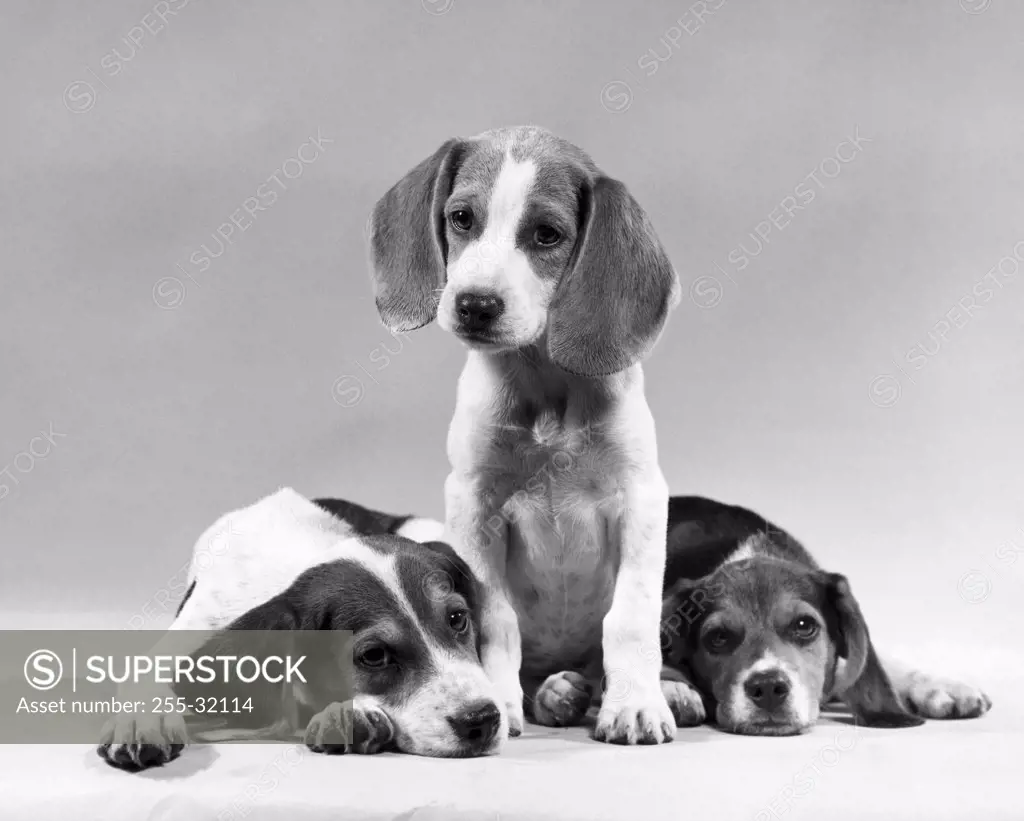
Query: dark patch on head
[
  {"x": 437, "y": 583},
  {"x": 471, "y": 190},
  {"x": 478, "y": 170},
  {"x": 703, "y": 532},
  {"x": 556, "y": 200}
]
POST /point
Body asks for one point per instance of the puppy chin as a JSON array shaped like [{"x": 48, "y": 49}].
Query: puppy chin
[
  {"x": 500, "y": 340},
  {"x": 770, "y": 729},
  {"x": 510, "y": 335},
  {"x": 444, "y": 744},
  {"x": 751, "y": 723},
  {"x": 486, "y": 344}
]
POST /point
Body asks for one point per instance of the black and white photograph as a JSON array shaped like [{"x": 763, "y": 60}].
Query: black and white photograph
[{"x": 474, "y": 410}]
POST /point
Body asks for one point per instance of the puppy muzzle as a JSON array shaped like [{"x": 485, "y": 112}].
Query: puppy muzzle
[{"x": 766, "y": 702}]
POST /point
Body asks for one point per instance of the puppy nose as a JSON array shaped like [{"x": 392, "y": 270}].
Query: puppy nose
[
  {"x": 477, "y": 724},
  {"x": 477, "y": 311},
  {"x": 767, "y": 690}
]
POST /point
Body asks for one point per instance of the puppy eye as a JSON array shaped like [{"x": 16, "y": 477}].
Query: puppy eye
[
  {"x": 718, "y": 641},
  {"x": 546, "y": 235},
  {"x": 376, "y": 658},
  {"x": 458, "y": 620},
  {"x": 461, "y": 220},
  {"x": 804, "y": 628}
]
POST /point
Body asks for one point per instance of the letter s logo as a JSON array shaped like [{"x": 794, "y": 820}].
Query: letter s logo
[{"x": 43, "y": 670}]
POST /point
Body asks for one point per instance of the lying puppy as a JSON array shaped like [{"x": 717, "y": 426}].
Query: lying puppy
[
  {"x": 550, "y": 272},
  {"x": 758, "y": 636},
  {"x": 286, "y": 563}
]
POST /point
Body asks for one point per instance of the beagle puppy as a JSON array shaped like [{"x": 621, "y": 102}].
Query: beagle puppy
[
  {"x": 551, "y": 274},
  {"x": 757, "y": 636},
  {"x": 289, "y": 564}
]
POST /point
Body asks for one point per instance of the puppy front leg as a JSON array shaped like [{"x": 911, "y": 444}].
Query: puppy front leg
[
  {"x": 137, "y": 741},
  {"x": 634, "y": 709},
  {"x": 683, "y": 697},
  {"x": 358, "y": 726},
  {"x": 479, "y": 532},
  {"x": 930, "y": 696}
]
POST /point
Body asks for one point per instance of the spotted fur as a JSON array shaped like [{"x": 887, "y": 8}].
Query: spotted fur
[{"x": 287, "y": 564}]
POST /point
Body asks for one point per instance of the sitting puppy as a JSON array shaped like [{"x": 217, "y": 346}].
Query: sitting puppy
[
  {"x": 757, "y": 635},
  {"x": 551, "y": 274},
  {"x": 286, "y": 563}
]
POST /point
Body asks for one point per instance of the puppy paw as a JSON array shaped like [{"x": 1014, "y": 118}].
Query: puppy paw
[
  {"x": 562, "y": 700},
  {"x": 510, "y": 701},
  {"x": 631, "y": 714},
  {"x": 933, "y": 697},
  {"x": 358, "y": 726},
  {"x": 138, "y": 742},
  {"x": 514, "y": 716},
  {"x": 685, "y": 702}
]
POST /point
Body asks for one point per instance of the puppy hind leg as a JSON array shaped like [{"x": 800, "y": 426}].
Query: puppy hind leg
[{"x": 562, "y": 699}]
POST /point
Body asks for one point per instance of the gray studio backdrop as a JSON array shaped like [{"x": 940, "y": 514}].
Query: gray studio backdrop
[{"x": 186, "y": 320}]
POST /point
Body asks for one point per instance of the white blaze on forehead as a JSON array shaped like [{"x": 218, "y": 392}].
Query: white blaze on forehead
[
  {"x": 492, "y": 264},
  {"x": 748, "y": 549},
  {"x": 743, "y": 552},
  {"x": 768, "y": 663},
  {"x": 382, "y": 565},
  {"x": 508, "y": 200}
]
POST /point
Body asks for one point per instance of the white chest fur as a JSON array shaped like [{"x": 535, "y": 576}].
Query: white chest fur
[
  {"x": 562, "y": 513},
  {"x": 547, "y": 458}
]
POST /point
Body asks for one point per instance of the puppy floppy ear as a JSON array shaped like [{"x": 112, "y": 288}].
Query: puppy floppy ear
[
  {"x": 407, "y": 245},
  {"x": 861, "y": 682},
  {"x": 262, "y": 632},
  {"x": 612, "y": 304}
]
